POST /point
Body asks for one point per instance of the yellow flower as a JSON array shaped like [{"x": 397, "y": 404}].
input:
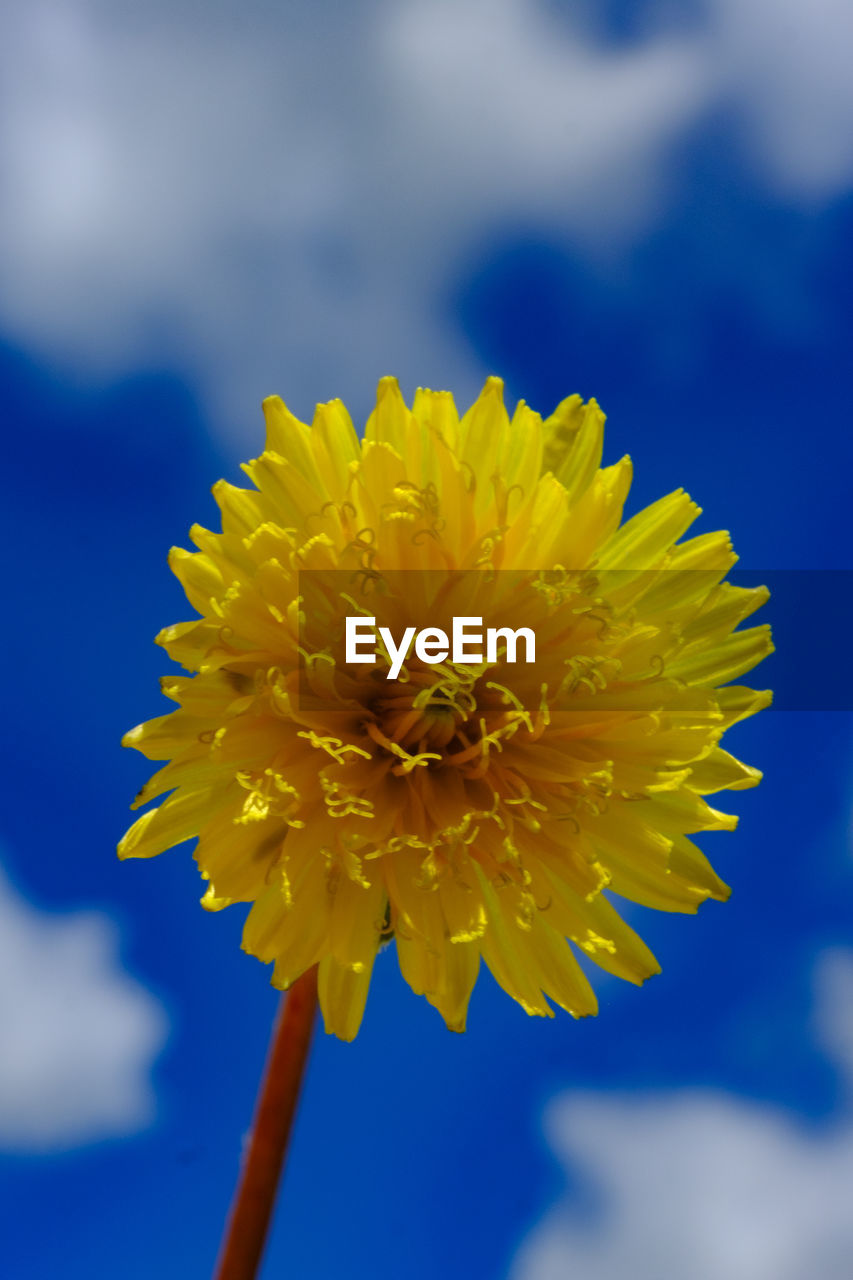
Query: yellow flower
[{"x": 465, "y": 810}]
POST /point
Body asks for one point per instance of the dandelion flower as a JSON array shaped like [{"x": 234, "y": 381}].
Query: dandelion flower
[{"x": 466, "y": 811}]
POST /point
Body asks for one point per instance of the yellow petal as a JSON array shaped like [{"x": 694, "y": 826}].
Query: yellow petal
[
  {"x": 724, "y": 660},
  {"x": 579, "y": 430},
  {"x": 719, "y": 771},
  {"x": 389, "y": 421},
  {"x": 289, "y": 437},
  {"x": 343, "y": 995},
  {"x": 459, "y": 965},
  {"x": 642, "y": 542},
  {"x": 177, "y": 819}
]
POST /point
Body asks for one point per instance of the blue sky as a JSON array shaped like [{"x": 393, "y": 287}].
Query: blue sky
[{"x": 656, "y": 212}]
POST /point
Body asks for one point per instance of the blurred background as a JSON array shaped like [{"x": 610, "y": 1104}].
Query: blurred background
[{"x": 203, "y": 204}]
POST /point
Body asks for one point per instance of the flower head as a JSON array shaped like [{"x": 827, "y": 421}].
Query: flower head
[{"x": 466, "y": 810}]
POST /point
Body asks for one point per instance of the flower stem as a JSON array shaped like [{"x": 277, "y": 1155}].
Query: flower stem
[{"x": 251, "y": 1208}]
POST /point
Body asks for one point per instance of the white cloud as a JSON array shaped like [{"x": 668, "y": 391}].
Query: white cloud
[
  {"x": 785, "y": 65},
  {"x": 702, "y": 1184},
  {"x": 280, "y": 202},
  {"x": 279, "y": 197},
  {"x": 79, "y": 1034}
]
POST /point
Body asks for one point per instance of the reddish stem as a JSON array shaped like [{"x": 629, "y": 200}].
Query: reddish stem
[{"x": 254, "y": 1198}]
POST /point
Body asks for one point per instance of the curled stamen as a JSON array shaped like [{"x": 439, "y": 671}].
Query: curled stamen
[
  {"x": 342, "y": 509},
  {"x": 420, "y": 534},
  {"x": 510, "y": 491},
  {"x": 335, "y": 747},
  {"x": 359, "y": 608},
  {"x": 410, "y": 762},
  {"x": 571, "y": 819},
  {"x": 363, "y": 542},
  {"x": 465, "y": 466},
  {"x": 368, "y": 575},
  {"x": 311, "y": 659}
]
